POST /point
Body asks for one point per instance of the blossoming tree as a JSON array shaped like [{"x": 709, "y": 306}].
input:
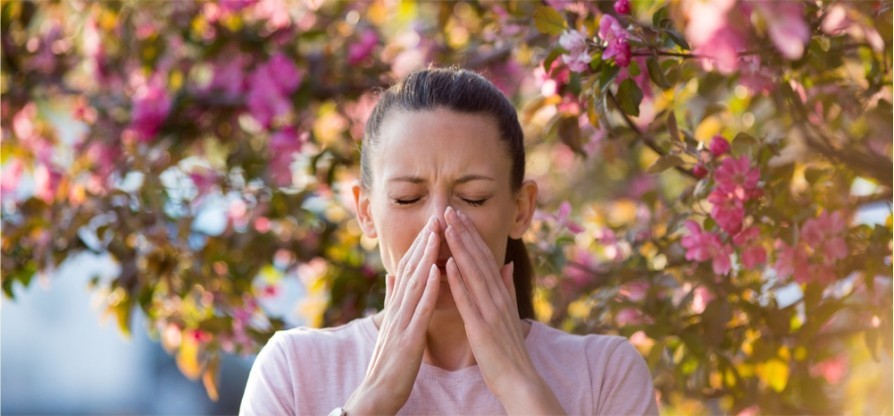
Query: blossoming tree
[{"x": 707, "y": 169}]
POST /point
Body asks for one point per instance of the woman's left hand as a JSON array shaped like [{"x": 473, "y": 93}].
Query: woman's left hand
[{"x": 484, "y": 294}]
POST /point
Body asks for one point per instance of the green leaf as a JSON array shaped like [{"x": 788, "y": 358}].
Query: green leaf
[
  {"x": 568, "y": 130},
  {"x": 629, "y": 97},
  {"x": 664, "y": 163},
  {"x": 656, "y": 73},
  {"x": 633, "y": 70},
  {"x": 549, "y": 20},
  {"x": 548, "y": 61},
  {"x": 744, "y": 145},
  {"x": 672, "y": 127},
  {"x": 607, "y": 76},
  {"x": 678, "y": 38}
]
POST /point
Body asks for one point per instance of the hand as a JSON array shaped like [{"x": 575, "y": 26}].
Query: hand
[
  {"x": 484, "y": 294},
  {"x": 410, "y": 298}
]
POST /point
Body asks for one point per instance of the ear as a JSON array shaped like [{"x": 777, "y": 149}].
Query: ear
[
  {"x": 364, "y": 212},
  {"x": 525, "y": 204}
]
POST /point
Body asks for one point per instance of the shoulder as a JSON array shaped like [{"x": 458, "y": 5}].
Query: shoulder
[
  {"x": 616, "y": 375},
  {"x": 593, "y": 345},
  {"x": 354, "y": 334}
]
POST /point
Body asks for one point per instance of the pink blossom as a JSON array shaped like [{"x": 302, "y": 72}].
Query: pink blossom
[
  {"x": 836, "y": 20},
  {"x": 635, "y": 291},
  {"x": 824, "y": 235},
  {"x": 793, "y": 261},
  {"x": 283, "y": 146},
  {"x": 718, "y": 146},
  {"x": 786, "y": 25},
  {"x": 235, "y": 5},
  {"x": 284, "y": 73},
  {"x": 276, "y": 12},
  {"x": 752, "y": 75},
  {"x": 833, "y": 370},
  {"x": 230, "y": 76},
  {"x": 23, "y": 122},
  {"x": 9, "y": 181},
  {"x": 580, "y": 268},
  {"x": 727, "y": 211},
  {"x": 362, "y": 49},
  {"x": 269, "y": 87},
  {"x": 563, "y": 218},
  {"x": 46, "y": 182},
  {"x": 699, "y": 171},
  {"x": 736, "y": 176},
  {"x": 615, "y": 37},
  {"x": 622, "y": 6},
  {"x": 573, "y": 41},
  {"x": 702, "y": 246},
  {"x": 629, "y": 316},
  {"x": 577, "y": 58},
  {"x": 712, "y": 35},
  {"x": 151, "y": 106},
  {"x": 701, "y": 297},
  {"x": 752, "y": 253}
]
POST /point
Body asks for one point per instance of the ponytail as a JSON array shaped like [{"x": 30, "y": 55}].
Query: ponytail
[{"x": 522, "y": 277}]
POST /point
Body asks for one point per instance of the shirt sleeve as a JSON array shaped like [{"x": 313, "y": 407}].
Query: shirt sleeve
[
  {"x": 269, "y": 388},
  {"x": 626, "y": 385}
]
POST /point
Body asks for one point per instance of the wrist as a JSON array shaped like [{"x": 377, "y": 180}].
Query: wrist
[{"x": 367, "y": 400}]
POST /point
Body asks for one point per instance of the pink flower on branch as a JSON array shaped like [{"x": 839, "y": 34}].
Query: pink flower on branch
[
  {"x": 283, "y": 146},
  {"x": 622, "y": 6},
  {"x": 718, "y": 146},
  {"x": 615, "y": 37},
  {"x": 362, "y": 49},
  {"x": 713, "y": 36},
  {"x": 786, "y": 26},
  {"x": 577, "y": 58},
  {"x": 824, "y": 235},
  {"x": 752, "y": 253},
  {"x": 269, "y": 87},
  {"x": 702, "y": 246},
  {"x": 151, "y": 106}
]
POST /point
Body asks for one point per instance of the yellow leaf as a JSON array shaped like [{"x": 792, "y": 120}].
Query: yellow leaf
[
  {"x": 774, "y": 373},
  {"x": 210, "y": 377},
  {"x": 188, "y": 358}
]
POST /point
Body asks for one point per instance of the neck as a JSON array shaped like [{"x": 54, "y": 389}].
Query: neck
[{"x": 446, "y": 343}]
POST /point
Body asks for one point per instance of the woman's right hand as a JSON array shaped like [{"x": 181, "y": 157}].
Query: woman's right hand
[{"x": 410, "y": 298}]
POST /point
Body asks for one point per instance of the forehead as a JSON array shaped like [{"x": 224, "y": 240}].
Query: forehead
[{"x": 441, "y": 142}]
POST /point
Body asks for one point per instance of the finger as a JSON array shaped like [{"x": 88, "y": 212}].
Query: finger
[
  {"x": 426, "y": 307},
  {"x": 507, "y": 272},
  {"x": 472, "y": 273},
  {"x": 417, "y": 242},
  {"x": 461, "y": 297},
  {"x": 487, "y": 264},
  {"x": 416, "y": 283},
  {"x": 411, "y": 260}
]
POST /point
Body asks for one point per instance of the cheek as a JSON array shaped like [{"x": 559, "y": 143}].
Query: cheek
[
  {"x": 494, "y": 230},
  {"x": 396, "y": 234}
]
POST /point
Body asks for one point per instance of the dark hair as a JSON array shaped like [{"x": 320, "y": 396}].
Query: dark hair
[{"x": 465, "y": 92}]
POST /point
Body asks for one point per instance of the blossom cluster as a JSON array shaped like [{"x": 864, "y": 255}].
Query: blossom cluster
[{"x": 736, "y": 182}]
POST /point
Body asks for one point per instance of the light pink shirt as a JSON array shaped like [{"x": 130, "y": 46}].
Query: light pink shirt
[{"x": 313, "y": 371}]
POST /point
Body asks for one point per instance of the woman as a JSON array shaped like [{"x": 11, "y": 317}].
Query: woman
[{"x": 442, "y": 189}]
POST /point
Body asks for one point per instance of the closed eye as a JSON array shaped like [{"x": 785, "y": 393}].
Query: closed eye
[
  {"x": 475, "y": 202},
  {"x": 408, "y": 201}
]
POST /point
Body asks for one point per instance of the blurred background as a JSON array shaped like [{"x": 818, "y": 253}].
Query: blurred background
[{"x": 715, "y": 185}]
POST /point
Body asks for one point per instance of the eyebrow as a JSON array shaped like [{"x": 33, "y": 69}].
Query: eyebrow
[{"x": 418, "y": 180}]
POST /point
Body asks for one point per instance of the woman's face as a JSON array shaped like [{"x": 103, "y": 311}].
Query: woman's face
[{"x": 426, "y": 161}]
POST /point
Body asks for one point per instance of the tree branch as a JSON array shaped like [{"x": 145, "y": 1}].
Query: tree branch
[{"x": 649, "y": 141}]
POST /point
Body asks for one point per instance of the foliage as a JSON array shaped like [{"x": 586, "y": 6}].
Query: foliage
[{"x": 719, "y": 156}]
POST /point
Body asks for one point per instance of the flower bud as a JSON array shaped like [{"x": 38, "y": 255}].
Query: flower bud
[{"x": 718, "y": 146}]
